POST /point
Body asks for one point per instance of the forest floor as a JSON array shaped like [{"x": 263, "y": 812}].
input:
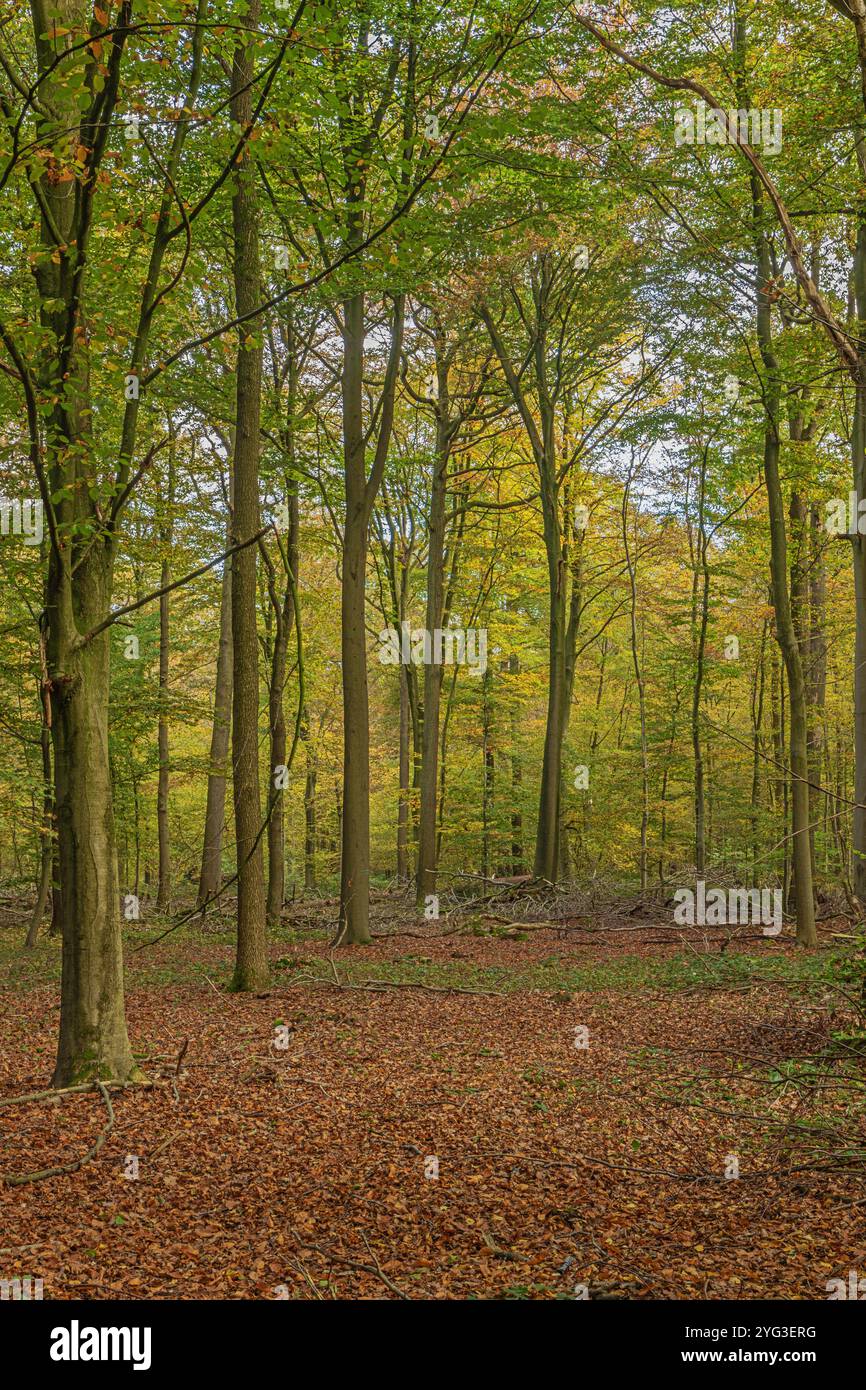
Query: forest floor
[{"x": 308, "y": 1170}]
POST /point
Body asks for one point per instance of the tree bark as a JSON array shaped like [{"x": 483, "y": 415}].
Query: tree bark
[
  {"x": 284, "y": 613},
  {"x": 433, "y": 671},
  {"x": 785, "y": 630},
  {"x": 163, "y": 895},
  {"x": 210, "y": 877},
  {"x": 310, "y": 827},
  {"x": 700, "y": 621},
  {"x": 251, "y": 966},
  {"x": 93, "y": 1040},
  {"x": 47, "y": 830}
]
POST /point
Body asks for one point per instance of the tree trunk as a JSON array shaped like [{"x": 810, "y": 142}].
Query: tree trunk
[
  {"x": 785, "y": 631},
  {"x": 433, "y": 671},
  {"x": 210, "y": 877},
  {"x": 310, "y": 830},
  {"x": 93, "y": 1038},
  {"x": 354, "y": 923},
  {"x": 163, "y": 894},
  {"x": 284, "y": 621},
  {"x": 700, "y": 621},
  {"x": 517, "y": 865},
  {"x": 46, "y": 830},
  {"x": 816, "y": 670},
  {"x": 355, "y": 862},
  {"x": 547, "y": 835},
  {"x": 403, "y": 761},
  {"x": 638, "y": 672},
  {"x": 251, "y": 967},
  {"x": 488, "y": 776},
  {"x": 858, "y": 542},
  {"x": 758, "y": 686}
]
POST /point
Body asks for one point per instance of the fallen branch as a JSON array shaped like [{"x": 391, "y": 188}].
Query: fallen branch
[
  {"x": 353, "y": 1264},
  {"x": 374, "y": 985},
  {"x": 19, "y": 1179},
  {"x": 56, "y": 1094}
]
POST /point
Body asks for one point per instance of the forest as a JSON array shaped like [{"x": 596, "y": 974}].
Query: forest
[{"x": 432, "y": 650}]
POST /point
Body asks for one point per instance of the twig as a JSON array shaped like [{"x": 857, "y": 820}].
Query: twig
[
  {"x": 374, "y": 985},
  {"x": 19, "y": 1179},
  {"x": 353, "y": 1264},
  {"x": 58, "y": 1093}
]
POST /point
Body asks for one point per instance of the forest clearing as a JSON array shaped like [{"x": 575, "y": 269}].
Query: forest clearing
[{"x": 432, "y": 664}]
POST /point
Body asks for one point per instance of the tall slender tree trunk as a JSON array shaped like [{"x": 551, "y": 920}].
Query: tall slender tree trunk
[
  {"x": 641, "y": 695},
  {"x": 355, "y": 861},
  {"x": 547, "y": 835},
  {"x": 488, "y": 776},
  {"x": 542, "y": 437},
  {"x": 210, "y": 877},
  {"x": 163, "y": 895},
  {"x": 433, "y": 671},
  {"x": 785, "y": 631},
  {"x": 93, "y": 1040},
  {"x": 251, "y": 966},
  {"x": 404, "y": 773},
  {"x": 310, "y": 827},
  {"x": 858, "y": 544},
  {"x": 284, "y": 612},
  {"x": 354, "y": 924},
  {"x": 517, "y": 864},
  {"x": 700, "y": 622},
  {"x": 46, "y": 829},
  {"x": 817, "y": 670},
  {"x": 758, "y": 688}
]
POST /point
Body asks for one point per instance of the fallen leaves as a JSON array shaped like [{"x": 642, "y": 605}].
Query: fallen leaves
[{"x": 304, "y": 1170}]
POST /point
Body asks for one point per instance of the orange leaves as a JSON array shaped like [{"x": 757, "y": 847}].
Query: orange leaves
[{"x": 309, "y": 1173}]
